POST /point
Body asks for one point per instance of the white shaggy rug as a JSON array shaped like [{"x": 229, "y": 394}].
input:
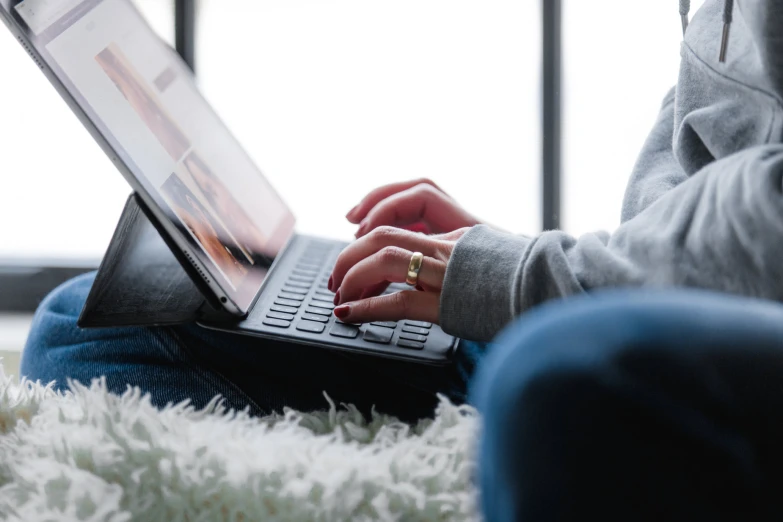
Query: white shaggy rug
[{"x": 89, "y": 455}]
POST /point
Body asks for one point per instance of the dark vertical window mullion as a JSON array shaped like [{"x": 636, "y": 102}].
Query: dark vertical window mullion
[
  {"x": 185, "y": 30},
  {"x": 552, "y": 113}
]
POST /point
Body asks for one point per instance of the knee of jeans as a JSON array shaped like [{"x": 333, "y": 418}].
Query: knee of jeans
[
  {"x": 55, "y": 322},
  {"x": 578, "y": 336}
]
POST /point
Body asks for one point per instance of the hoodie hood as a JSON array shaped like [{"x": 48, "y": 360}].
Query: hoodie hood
[{"x": 722, "y": 107}]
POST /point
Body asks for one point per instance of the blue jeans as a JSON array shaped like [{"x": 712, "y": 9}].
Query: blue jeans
[
  {"x": 635, "y": 405},
  {"x": 628, "y": 405}
]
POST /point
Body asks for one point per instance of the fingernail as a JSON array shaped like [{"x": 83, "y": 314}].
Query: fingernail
[
  {"x": 350, "y": 212},
  {"x": 342, "y": 312},
  {"x": 337, "y": 298},
  {"x": 329, "y": 284},
  {"x": 362, "y": 227}
]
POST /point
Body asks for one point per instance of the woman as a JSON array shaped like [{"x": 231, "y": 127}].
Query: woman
[{"x": 632, "y": 405}]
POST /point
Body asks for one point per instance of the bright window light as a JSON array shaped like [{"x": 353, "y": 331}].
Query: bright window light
[{"x": 335, "y": 97}]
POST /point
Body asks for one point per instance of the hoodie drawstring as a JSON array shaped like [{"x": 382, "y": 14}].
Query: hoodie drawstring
[
  {"x": 685, "y": 8},
  {"x": 728, "y": 11}
]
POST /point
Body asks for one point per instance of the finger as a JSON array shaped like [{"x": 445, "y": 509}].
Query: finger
[
  {"x": 360, "y": 211},
  {"x": 390, "y": 265},
  {"x": 408, "y": 304},
  {"x": 420, "y": 204},
  {"x": 372, "y": 243}
]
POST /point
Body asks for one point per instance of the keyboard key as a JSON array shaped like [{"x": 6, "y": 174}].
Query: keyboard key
[
  {"x": 287, "y": 302},
  {"x": 281, "y": 316},
  {"x": 388, "y": 324},
  {"x": 293, "y": 297},
  {"x": 324, "y": 298},
  {"x": 291, "y": 290},
  {"x": 284, "y": 309},
  {"x": 322, "y": 304},
  {"x": 319, "y": 311},
  {"x": 297, "y": 284},
  {"x": 415, "y": 330},
  {"x": 420, "y": 324},
  {"x": 277, "y": 323},
  {"x": 316, "y": 318},
  {"x": 310, "y": 326},
  {"x": 312, "y": 267},
  {"x": 410, "y": 344},
  {"x": 344, "y": 330},
  {"x": 326, "y": 293},
  {"x": 413, "y": 337},
  {"x": 302, "y": 279},
  {"x": 378, "y": 335},
  {"x": 305, "y": 273}
]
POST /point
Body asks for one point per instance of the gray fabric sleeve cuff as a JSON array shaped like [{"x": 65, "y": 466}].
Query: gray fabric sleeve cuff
[{"x": 481, "y": 278}]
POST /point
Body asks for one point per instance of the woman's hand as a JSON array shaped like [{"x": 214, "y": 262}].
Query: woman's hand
[
  {"x": 418, "y": 205},
  {"x": 366, "y": 268}
]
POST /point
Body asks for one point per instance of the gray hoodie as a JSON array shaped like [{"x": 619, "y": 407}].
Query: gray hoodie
[{"x": 704, "y": 204}]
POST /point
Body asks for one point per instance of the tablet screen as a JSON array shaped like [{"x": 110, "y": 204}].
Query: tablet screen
[{"x": 143, "y": 100}]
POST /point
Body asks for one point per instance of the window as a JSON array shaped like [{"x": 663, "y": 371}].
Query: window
[
  {"x": 335, "y": 97},
  {"x": 619, "y": 63},
  {"x": 61, "y": 197}
]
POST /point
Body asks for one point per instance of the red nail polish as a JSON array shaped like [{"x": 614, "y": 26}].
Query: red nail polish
[
  {"x": 331, "y": 281},
  {"x": 337, "y": 298},
  {"x": 342, "y": 312}
]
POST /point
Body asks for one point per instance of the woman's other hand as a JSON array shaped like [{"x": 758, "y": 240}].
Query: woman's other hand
[
  {"x": 366, "y": 268},
  {"x": 418, "y": 205}
]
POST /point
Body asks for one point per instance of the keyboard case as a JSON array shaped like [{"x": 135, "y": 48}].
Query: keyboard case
[{"x": 140, "y": 282}]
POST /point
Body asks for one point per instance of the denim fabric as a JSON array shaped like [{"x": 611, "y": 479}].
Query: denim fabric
[
  {"x": 190, "y": 362},
  {"x": 635, "y": 405}
]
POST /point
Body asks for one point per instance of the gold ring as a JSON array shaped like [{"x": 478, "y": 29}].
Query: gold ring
[{"x": 413, "y": 268}]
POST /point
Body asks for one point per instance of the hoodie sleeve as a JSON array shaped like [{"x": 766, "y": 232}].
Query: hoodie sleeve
[{"x": 720, "y": 229}]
